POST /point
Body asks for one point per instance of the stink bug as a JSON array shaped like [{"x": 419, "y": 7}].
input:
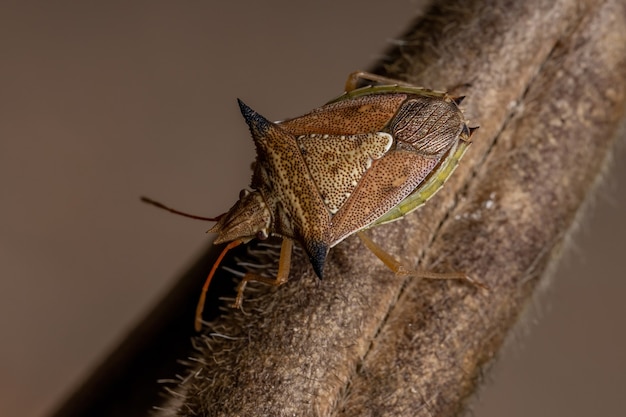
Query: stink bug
[{"x": 368, "y": 157}]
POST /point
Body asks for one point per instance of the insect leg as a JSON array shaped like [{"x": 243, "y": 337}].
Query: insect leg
[
  {"x": 352, "y": 83},
  {"x": 400, "y": 269},
  {"x": 205, "y": 287},
  {"x": 284, "y": 264}
]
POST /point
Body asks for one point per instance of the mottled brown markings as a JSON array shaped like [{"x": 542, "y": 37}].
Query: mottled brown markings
[
  {"x": 336, "y": 170},
  {"x": 346, "y": 117},
  {"x": 337, "y": 165},
  {"x": 278, "y": 153},
  {"x": 376, "y": 193}
]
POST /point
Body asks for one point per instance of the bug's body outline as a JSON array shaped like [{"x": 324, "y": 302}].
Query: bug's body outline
[
  {"x": 368, "y": 157},
  {"x": 275, "y": 209}
]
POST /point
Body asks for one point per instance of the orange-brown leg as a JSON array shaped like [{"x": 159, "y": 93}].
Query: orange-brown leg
[
  {"x": 354, "y": 78},
  {"x": 400, "y": 269},
  {"x": 284, "y": 265},
  {"x": 352, "y": 83},
  {"x": 205, "y": 287}
]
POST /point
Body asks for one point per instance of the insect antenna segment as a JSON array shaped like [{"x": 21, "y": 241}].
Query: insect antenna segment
[
  {"x": 207, "y": 282},
  {"x": 180, "y": 213}
]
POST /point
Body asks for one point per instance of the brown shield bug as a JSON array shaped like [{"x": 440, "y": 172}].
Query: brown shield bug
[{"x": 368, "y": 157}]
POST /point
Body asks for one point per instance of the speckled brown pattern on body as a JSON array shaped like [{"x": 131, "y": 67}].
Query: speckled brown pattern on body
[{"x": 363, "y": 154}]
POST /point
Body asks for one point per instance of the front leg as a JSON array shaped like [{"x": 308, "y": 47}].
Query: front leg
[{"x": 284, "y": 265}]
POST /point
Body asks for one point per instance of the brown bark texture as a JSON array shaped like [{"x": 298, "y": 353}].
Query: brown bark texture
[{"x": 545, "y": 81}]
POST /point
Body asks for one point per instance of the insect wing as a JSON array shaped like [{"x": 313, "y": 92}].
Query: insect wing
[
  {"x": 389, "y": 181},
  {"x": 433, "y": 183}
]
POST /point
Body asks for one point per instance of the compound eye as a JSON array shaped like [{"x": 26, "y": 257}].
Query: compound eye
[
  {"x": 262, "y": 234},
  {"x": 243, "y": 193}
]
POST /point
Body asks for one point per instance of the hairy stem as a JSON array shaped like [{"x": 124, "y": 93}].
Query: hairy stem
[{"x": 544, "y": 80}]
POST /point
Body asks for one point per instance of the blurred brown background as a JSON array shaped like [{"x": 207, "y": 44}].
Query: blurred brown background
[{"x": 101, "y": 103}]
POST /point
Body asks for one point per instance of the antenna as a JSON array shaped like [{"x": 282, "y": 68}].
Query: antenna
[{"x": 180, "y": 213}]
